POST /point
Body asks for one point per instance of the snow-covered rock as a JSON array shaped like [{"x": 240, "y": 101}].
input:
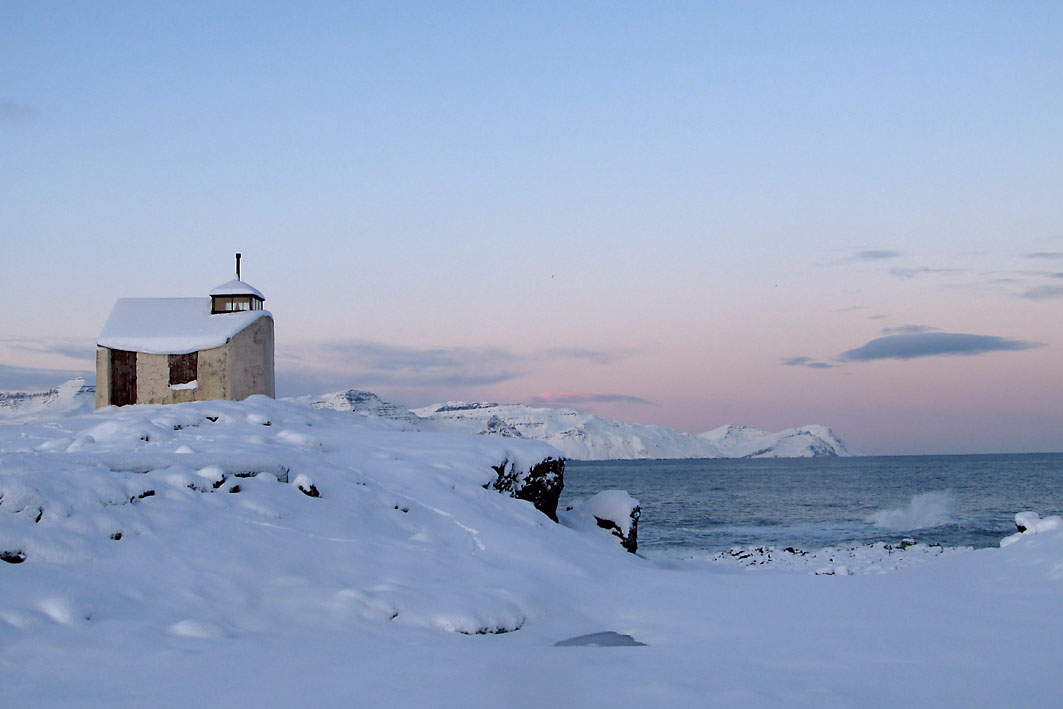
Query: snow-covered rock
[
  {"x": 539, "y": 484},
  {"x": 613, "y": 510},
  {"x": 1030, "y": 523}
]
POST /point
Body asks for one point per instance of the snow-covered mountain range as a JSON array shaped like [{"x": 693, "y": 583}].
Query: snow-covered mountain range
[{"x": 581, "y": 436}]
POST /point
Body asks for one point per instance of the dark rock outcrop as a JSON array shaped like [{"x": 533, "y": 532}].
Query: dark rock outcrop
[
  {"x": 14, "y": 556},
  {"x": 540, "y": 485}
]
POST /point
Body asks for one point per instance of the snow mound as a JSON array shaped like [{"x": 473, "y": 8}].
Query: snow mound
[{"x": 1030, "y": 523}]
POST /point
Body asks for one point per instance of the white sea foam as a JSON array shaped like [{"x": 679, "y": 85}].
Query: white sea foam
[{"x": 927, "y": 509}]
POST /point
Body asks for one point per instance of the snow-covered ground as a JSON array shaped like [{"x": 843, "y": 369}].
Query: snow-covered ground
[{"x": 144, "y": 570}]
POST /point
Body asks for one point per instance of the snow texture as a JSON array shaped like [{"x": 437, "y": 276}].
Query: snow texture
[
  {"x": 156, "y": 556},
  {"x": 171, "y": 325}
]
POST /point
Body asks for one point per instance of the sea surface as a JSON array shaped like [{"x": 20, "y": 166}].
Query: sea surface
[{"x": 705, "y": 506}]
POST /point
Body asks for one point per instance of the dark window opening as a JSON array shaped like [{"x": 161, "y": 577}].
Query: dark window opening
[{"x": 184, "y": 368}]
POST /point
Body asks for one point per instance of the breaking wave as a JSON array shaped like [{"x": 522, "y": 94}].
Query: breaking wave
[{"x": 927, "y": 509}]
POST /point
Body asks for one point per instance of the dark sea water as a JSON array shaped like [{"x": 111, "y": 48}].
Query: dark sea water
[{"x": 811, "y": 503}]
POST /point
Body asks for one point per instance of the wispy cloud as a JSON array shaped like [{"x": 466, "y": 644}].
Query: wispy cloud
[
  {"x": 875, "y": 255},
  {"x": 16, "y": 112},
  {"x": 589, "y": 355},
  {"x": 365, "y": 363},
  {"x": 807, "y": 362},
  {"x": 1048, "y": 255},
  {"x": 14, "y": 378},
  {"x": 67, "y": 347},
  {"x": 872, "y": 255},
  {"x": 910, "y": 273},
  {"x": 932, "y": 344},
  {"x": 576, "y": 398},
  {"x": 379, "y": 363},
  {"x": 1043, "y": 292},
  {"x": 907, "y": 329}
]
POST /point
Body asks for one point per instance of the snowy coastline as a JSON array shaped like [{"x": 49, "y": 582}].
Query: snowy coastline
[{"x": 174, "y": 554}]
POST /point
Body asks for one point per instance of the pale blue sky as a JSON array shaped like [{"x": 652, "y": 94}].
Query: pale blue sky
[{"x": 683, "y": 204}]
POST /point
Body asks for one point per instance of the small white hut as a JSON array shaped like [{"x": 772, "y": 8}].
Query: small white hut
[{"x": 170, "y": 350}]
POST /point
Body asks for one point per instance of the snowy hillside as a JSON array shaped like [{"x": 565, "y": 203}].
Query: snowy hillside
[
  {"x": 582, "y": 436},
  {"x": 69, "y": 397},
  {"x": 269, "y": 553}
]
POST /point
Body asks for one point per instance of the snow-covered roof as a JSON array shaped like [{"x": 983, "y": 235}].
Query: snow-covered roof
[
  {"x": 237, "y": 287},
  {"x": 171, "y": 325}
]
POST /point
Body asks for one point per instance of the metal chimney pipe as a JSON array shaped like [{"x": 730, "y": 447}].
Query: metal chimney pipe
[{"x": 237, "y": 266}]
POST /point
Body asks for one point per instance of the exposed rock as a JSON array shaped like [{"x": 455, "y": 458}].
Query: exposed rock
[
  {"x": 493, "y": 629},
  {"x": 13, "y": 557},
  {"x": 540, "y": 485}
]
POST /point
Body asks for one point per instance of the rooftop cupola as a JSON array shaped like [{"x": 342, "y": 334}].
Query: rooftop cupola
[{"x": 235, "y": 296}]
